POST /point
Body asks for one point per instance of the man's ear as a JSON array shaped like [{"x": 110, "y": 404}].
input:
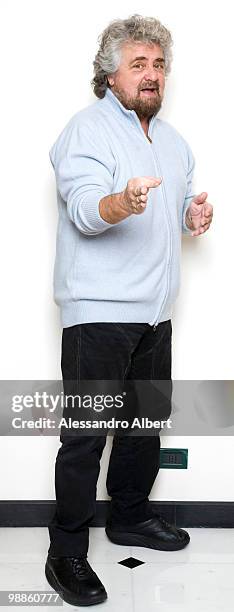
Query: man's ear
[{"x": 110, "y": 80}]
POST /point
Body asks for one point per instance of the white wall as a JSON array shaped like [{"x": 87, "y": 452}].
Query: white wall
[{"x": 47, "y": 49}]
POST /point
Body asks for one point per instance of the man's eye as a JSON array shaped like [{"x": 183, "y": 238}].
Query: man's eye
[{"x": 160, "y": 67}]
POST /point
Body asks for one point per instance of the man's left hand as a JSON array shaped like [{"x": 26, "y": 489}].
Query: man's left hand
[{"x": 199, "y": 214}]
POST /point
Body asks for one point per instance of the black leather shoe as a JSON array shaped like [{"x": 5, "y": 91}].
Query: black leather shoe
[
  {"x": 153, "y": 533},
  {"x": 74, "y": 580}
]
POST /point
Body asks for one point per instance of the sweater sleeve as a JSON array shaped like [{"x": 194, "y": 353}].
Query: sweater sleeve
[
  {"x": 190, "y": 193},
  {"x": 84, "y": 169}
]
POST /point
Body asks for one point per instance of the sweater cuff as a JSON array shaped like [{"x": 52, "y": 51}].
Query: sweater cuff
[
  {"x": 185, "y": 229},
  {"x": 90, "y": 219}
]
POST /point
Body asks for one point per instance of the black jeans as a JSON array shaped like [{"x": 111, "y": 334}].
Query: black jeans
[{"x": 108, "y": 351}]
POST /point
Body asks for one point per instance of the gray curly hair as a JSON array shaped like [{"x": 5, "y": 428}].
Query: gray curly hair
[{"x": 119, "y": 31}]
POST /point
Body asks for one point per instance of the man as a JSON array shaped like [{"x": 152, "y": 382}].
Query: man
[{"x": 124, "y": 186}]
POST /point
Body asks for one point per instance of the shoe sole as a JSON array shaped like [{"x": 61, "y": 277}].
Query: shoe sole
[
  {"x": 65, "y": 595},
  {"x": 134, "y": 539}
]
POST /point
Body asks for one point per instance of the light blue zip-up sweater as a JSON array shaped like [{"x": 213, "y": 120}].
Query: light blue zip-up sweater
[{"x": 128, "y": 271}]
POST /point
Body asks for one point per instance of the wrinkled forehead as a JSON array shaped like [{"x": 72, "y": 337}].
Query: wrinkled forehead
[{"x": 133, "y": 49}]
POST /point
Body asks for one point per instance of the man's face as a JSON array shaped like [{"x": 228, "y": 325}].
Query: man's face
[{"x": 142, "y": 66}]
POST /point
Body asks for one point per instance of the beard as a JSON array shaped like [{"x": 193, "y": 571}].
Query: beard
[{"x": 145, "y": 108}]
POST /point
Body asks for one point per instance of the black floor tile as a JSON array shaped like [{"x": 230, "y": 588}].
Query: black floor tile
[{"x": 131, "y": 562}]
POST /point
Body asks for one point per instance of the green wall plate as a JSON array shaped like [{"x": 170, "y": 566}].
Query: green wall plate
[{"x": 174, "y": 458}]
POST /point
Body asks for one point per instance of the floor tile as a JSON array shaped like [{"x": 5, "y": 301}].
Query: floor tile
[
  {"x": 197, "y": 587},
  {"x": 199, "y": 578},
  {"x": 23, "y": 544}
]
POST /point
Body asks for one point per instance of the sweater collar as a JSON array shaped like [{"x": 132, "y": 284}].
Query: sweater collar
[{"x": 131, "y": 114}]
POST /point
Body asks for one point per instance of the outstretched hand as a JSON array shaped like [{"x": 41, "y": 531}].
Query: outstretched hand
[{"x": 199, "y": 214}]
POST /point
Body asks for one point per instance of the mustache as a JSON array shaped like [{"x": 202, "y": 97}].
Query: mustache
[{"x": 151, "y": 86}]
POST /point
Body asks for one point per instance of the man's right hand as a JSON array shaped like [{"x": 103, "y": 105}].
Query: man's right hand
[
  {"x": 134, "y": 197},
  {"x": 118, "y": 206}
]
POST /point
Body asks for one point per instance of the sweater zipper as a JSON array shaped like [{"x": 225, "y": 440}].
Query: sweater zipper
[
  {"x": 155, "y": 159},
  {"x": 170, "y": 243}
]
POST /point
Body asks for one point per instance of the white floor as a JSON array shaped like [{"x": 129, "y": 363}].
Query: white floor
[{"x": 199, "y": 578}]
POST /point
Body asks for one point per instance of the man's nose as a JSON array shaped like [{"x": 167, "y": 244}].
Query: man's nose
[{"x": 151, "y": 74}]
